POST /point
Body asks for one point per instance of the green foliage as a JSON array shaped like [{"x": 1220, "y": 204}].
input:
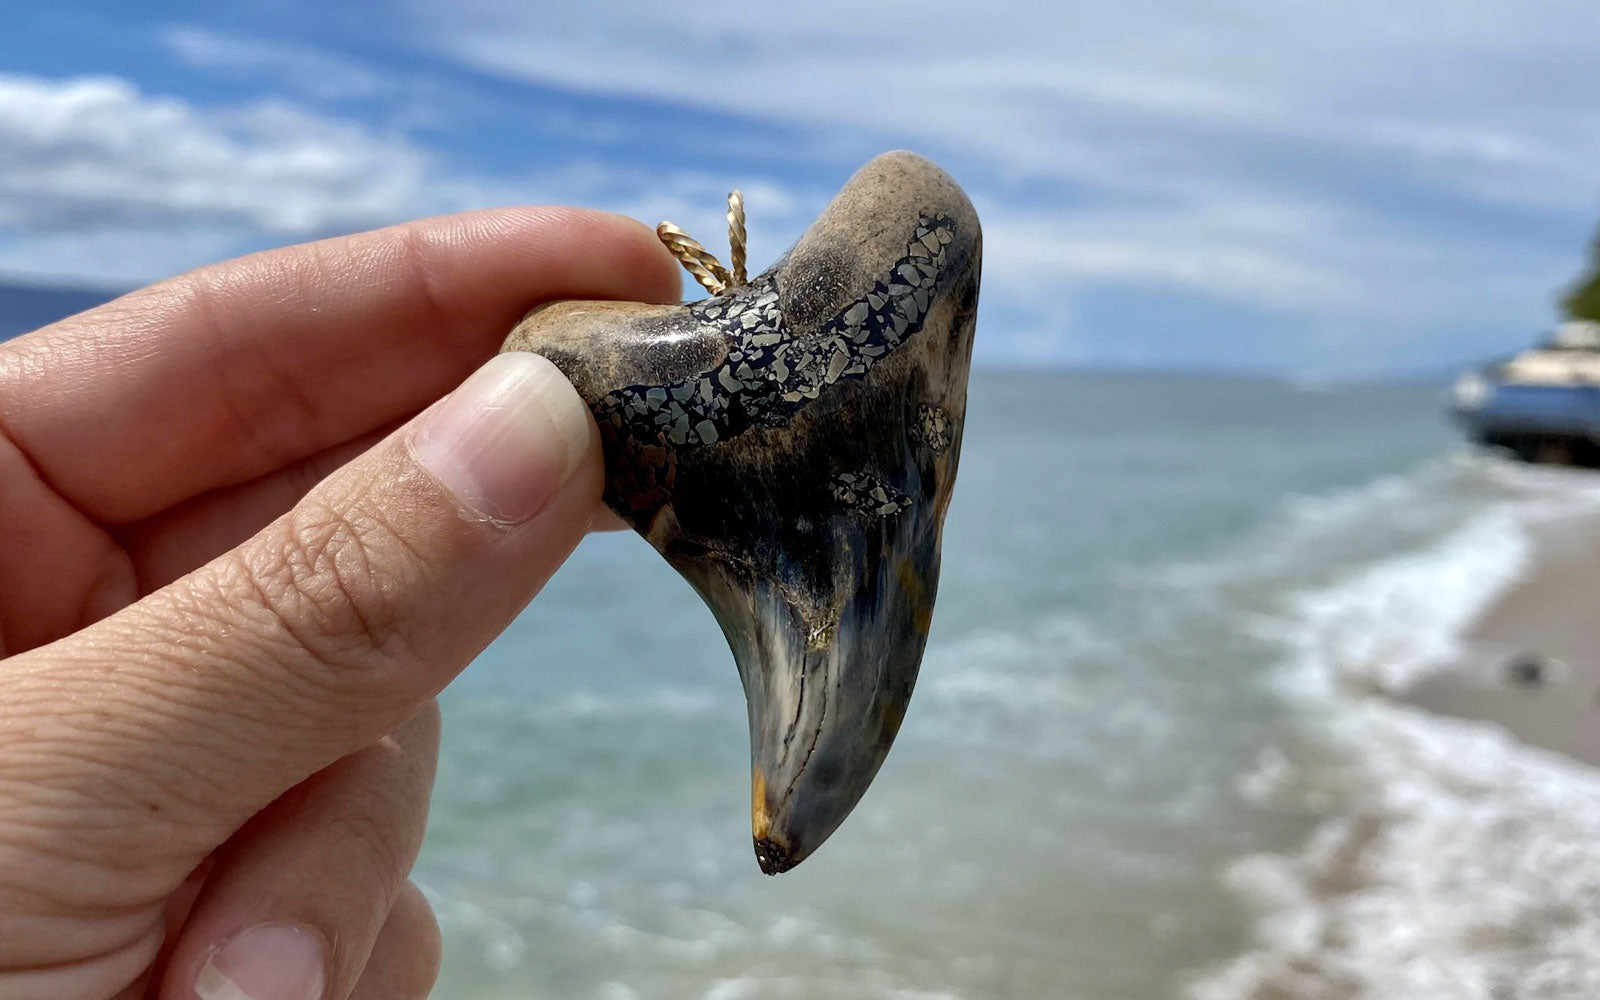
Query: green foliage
[{"x": 1582, "y": 300}]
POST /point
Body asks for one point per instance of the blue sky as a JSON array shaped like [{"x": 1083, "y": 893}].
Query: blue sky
[{"x": 1314, "y": 189}]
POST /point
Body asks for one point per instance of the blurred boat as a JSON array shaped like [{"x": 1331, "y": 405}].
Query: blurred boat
[{"x": 1542, "y": 405}]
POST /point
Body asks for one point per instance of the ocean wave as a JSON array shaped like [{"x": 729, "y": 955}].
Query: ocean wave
[
  {"x": 1314, "y": 541},
  {"x": 1017, "y": 671},
  {"x": 1385, "y": 627},
  {"x": 1461, "y": 866},
  {"x": 1454, "y": 862}
]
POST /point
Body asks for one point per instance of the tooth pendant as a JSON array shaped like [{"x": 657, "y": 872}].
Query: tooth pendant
[{"x": 790, "y": 446}]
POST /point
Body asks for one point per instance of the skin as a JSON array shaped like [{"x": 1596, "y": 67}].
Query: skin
[{"x": 228, "y": 597}]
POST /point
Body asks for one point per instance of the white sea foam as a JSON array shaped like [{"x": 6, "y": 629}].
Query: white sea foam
[
  {"x": 1462, "y": 866},
  {"x": 1317, "y": 541},
  {"x": 1384, "y": 627},
  {"x": 1455, "y": 863}
]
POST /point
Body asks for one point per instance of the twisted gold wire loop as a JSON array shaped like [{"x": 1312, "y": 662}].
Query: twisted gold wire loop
[
  {"x": 696, "y": 259},
  {"x": 702, "y": 263},
  {"x": 736, "y": 236}
]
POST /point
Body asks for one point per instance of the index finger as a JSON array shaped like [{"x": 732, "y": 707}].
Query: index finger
[{"x": 228, "y": 372}]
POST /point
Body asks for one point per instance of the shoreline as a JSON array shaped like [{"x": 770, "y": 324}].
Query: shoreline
[
  {"x": 1453, "y": 858},
  {"x": 1530, "y": 663}
]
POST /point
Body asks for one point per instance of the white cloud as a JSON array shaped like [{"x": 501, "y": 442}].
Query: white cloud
[
  {"x": 1239, "y": 252},
  {"x": 99, "y": 181},
  {"x": 1079, "y": 88},
  {"x": 1377, "y": 174},
  {"x": 93, "y": 153},
  {"x": 695, "y": 200},
  {"x": 1321, "y": 159}
]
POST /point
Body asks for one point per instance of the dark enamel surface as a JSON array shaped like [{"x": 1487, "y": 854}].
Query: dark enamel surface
[{"x": 790, "y": 447}]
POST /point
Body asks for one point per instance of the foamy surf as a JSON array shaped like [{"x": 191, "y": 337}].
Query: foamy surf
[
  {"x": 1453, "y": 861},
  {"x": 1458, "y": 864}
]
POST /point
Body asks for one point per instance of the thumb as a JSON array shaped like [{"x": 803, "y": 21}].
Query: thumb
[{"x": 205, "y": 701}]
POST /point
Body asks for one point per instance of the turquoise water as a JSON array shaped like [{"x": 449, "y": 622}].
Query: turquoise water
[{"x": 1073, "y": 779}]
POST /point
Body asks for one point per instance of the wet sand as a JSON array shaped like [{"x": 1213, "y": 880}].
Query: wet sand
[{"x": 1532, "y": 661}]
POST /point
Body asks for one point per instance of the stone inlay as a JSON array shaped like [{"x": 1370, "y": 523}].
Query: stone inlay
[
  {"x": 770, "y": 373},
  {"x": 932, "y": 428},
  {"x": 867, "y": 494}
]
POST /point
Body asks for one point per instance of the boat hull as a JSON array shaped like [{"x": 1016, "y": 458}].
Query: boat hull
[{"x": 1546, "y": 423}]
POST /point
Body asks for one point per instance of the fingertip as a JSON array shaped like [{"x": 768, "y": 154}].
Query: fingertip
[
  {"x": 656, "y": 268},
  {"x": 558, "y": 251},
  {"x": 405, "y": 959},
  {"x": 632, "y": 245}
]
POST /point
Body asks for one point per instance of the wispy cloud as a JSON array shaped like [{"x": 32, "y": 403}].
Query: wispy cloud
[
  {"x": 99, "y": 181},
  {"x": 300, "y": 68},
  {"x": 95, "y": 152},
  {"x": 1328, "y": 188},
  {"x": 1086, "y": 91},
  {"x": 1358, "y": 161}
]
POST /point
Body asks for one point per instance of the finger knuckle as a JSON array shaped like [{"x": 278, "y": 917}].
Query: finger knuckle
[
  {"x": 373, "y": 856},
  {"x": 331, "y": 585}
]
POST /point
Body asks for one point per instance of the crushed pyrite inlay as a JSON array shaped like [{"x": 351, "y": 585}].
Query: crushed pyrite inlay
[{"x": 770, "y": 374}]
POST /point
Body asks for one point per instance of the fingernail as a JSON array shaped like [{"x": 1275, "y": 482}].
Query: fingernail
[
  {"x": 508, "y": 439},
  {"x": 266, "y": 962}
]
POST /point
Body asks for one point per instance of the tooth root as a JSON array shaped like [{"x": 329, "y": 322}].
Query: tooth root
[{"x": 790, "y": 447}]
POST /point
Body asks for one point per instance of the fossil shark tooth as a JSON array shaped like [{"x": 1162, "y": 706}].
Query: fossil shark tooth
[{"x": 790, "y": 446}]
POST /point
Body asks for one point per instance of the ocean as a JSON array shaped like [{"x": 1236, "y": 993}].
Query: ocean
[
  {"x": 24, "y": 307},
  {"x": 1139, "y": 744}
]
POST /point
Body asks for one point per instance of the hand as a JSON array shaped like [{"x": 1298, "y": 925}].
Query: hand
[{"x": 217, "y": 731}]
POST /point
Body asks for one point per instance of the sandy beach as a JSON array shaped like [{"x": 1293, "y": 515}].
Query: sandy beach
[{"x": 1531, "y": 662}]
